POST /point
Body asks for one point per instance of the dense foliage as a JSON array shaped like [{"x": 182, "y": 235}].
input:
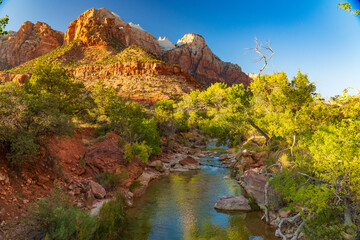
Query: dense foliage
[
  {"x": 44, "y": 105},
  {"x": 317, "y": 142},
  {"x": 51, "y": 102}
]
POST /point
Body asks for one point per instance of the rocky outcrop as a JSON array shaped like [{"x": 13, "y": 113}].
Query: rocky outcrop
[
  {"x": 195, "y": 57},
  {"x": 97, "y": 190},
  {"x": 130, "y": 68},
  {"x": 231, "y": 203},
  {"x": 254, "y": 183},
  {"x": 31, "y": 41},
  {"x": 181, "y": 163},
  {"x": 100, "y": 27},
  {"x": 21, "y": 78},
  {"x": 165, "y": 44},
  {"x": 251, "y": 159}
]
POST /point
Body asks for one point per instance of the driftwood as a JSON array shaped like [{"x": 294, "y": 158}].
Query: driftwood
[{"x": 290, "y": 220}]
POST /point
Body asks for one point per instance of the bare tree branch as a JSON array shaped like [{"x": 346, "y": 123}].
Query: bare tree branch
[{"x": 264, "y": 50}]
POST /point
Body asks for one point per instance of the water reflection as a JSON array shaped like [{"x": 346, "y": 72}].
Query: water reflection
[{"x": 180, "y": 206}]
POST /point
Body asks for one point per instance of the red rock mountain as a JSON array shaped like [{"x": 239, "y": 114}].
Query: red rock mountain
[
  {"x": 101, "y": 27},
  {"x": 31, "y": 41},
  {"x": 195, "y": 57},
  {"x": 100, "y": 35}
]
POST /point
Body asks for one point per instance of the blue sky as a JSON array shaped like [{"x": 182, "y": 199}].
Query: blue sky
[{"x": 313, "y": 36}]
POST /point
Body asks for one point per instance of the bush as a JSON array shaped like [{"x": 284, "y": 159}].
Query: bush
[
  {"x": 23, "y": 147},
  {"x": 109, "y": 180},
  {"x": 129, "y": 119},
  {"x": 140, "y": 150},
  {"x": 135, "y": 185},
  {"x": 121, "y": 142},
  {"x": 112, "y": 220},
  {"x": 45, "y": 105},
  {"x": 60, "y": 220},
  {"x": 55, "y": 216}
]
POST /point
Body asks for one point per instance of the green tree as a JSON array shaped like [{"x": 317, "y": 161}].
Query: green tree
[
  {"x": 45, "y": 105},
  {"x": 3, "y": 22},
  {"x": 347, "y": 7},
  {"x": 49, "y": 78},
  {"x": 129, "y": 119}
]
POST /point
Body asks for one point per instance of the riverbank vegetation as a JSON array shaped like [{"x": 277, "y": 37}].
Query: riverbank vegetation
[
  {"x": 315, "y": 140},
  {"x": 55, "y": 216}
]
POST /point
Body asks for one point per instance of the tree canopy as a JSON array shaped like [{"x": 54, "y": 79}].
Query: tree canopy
[
  {"x": 348, "y": 7},
  {"x": 3, "y": 22}
]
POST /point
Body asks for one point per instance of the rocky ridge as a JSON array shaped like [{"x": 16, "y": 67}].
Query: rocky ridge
[
  {"x": 97, "y": 27},
  {"x": 195, "y": 57},
  {"x": 102, "y": 34},
  {"x": 31, "y": 41}
]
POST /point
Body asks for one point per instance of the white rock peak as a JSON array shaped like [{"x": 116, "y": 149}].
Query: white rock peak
[
  {"x": 193, "y": 40},
  {"x": 165, "y": 44},
  {"x": 137, "y": 26}
]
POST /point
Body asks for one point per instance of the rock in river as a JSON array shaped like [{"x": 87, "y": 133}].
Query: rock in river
[{"x": 232, "y": 203}]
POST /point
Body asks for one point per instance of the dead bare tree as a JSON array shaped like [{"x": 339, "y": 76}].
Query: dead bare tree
[{"x": 264, "y": 49}]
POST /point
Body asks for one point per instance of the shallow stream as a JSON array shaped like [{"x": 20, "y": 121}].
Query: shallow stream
[{"x": 180, "y": 206}]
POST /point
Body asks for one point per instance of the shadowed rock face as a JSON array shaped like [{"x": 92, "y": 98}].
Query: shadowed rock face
[
  {"x": 100, "y": 27},
  {"x": 195, "y": 57},
  {"x": 31, "y": 41}
]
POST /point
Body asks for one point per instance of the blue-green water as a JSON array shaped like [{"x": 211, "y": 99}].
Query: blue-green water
[{"x": 180, "y": 206}]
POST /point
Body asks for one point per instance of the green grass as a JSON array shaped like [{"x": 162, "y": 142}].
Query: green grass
[{"x": 130, "y": 54}]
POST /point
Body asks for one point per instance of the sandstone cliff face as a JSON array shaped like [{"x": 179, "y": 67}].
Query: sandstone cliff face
[
  {"x": 141, "y": 81},
  {"x": 195, "y": 57},
  {"x": 31, "y": 41},
  {"x": 100, "y": 27}
]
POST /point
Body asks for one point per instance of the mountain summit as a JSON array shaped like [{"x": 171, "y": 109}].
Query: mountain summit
[{"x": 100, "y": 45}]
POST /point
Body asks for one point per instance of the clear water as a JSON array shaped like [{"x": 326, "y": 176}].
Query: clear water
[{"x": 180, "y": 206}]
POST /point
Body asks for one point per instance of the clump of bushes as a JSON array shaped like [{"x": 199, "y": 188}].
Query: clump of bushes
[
  {"x": 55, "y": 216},
  {"x": 43, "y": 106},
  {"x": 108, "y": 179},
  {"x": 140, "y": 150}
]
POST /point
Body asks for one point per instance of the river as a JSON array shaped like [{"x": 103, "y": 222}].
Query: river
[{"x": 180, "y": 206}]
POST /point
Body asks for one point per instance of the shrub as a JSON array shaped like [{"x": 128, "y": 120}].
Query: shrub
[
  {"x": 135, "y": 185},
  {"x": 112, "y": 220},
  {"x": 129, "y": 119},
  {"x": 121, "y": 142},
  {"x": 45, "y": 105},
  {"x": 55, "y": 216},
  {"x": 140, "y": 150},
  {"x": 109, "y": 180},
  {"x": 23, "y": 147},
  {"x": 60, "y": 220}
]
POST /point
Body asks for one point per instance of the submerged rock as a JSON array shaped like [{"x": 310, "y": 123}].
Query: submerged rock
[{"x": 232, "y": 203}]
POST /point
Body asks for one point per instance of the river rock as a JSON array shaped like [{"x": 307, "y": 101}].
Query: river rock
[
  {"x": 223, "y": 157},
  {"x": 190, "y": 163},
  {"x": 254, "y": 184},
  {"x": 232, "y": 203},
  {"x": 98, "y": 190},
  {"x": 156, "y": 163}
]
